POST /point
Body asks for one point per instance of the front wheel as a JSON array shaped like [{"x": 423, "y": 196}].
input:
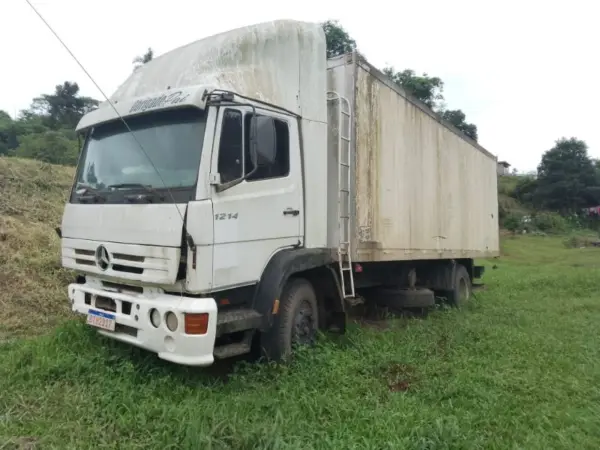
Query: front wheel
[{"x": 297, "y": 322}]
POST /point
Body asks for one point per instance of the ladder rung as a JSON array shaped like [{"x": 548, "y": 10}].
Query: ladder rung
[
  {"x": 347, "y": 139},
  {"x": 344, "y": 164},
  {"x": 344, "y": 217},
  {"x": 345, "y": 190},
  {"x": 345, "y": 113}
]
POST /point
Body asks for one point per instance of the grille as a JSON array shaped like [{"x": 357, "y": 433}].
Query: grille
[{"x": 157, "y": 265}]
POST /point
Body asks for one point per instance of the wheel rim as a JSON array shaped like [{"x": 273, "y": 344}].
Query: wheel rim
[
  {"x": 463, "y": 290},
  {"x": 303, "y": 332}
]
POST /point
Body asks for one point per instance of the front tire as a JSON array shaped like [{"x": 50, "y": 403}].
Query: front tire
[{"x": 297, "y": 322}]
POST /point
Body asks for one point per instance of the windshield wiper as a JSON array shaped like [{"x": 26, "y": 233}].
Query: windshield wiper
[
  {"x": 93, "y": 194},
  {"x": 147, "y": 188}
]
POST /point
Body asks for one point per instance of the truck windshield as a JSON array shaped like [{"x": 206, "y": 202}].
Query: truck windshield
[{"x": 113, "y": 166}]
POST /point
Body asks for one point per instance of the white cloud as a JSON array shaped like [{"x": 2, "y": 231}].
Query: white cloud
[{"x": 524, "y": 72}]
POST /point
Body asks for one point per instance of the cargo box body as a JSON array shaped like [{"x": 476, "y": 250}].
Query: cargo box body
[{"x": 420, "y": 188}]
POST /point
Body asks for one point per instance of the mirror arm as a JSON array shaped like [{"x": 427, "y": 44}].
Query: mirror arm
[
  {"x": 228, "y": 185},
  {"x": 232, "y": 183}
]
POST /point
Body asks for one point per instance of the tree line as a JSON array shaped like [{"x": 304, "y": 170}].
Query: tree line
[
  {"x": 45, "y": 130},
  {"x": 566, "y": 181}
]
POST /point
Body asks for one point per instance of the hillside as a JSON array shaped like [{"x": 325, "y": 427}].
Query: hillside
[
  {"x": 506, "y": 187},
  {"x": 32, "y": 283}
]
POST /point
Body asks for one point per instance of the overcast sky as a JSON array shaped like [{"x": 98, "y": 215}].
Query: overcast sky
[{"x": 525, "y": 72}]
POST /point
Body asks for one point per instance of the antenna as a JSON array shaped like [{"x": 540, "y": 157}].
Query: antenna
[{"x": 189, "y": 239}]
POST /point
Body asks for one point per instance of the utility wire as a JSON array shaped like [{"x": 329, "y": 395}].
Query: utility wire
[{"x": 114, "y": 108}]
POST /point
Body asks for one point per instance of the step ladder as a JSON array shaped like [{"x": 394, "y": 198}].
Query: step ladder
[{"x": 344, "y": 147}]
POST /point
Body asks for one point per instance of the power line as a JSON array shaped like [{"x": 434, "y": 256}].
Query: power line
[{"x": 114, "y": 108}]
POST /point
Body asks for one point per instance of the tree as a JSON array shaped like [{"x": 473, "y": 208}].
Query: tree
[
  {"x": 525, "y": 190},
  {"x": 139, "y": 61},
  {"x": 337, "y": 38},
  {"x": 567, "y": 179},
  {"x": 457, "y": 118},
  {"x": 425, "y": 88},
  {"x": 46, "y": 131},
  {"x": 62, "y": 109},
  {"x": 8, "y": 133},
  {"x": 428, "y": 90},
  {"x": 51, "y": 147}
]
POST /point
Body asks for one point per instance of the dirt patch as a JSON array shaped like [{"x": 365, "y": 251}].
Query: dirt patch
[
  {"x": 400, "y": 377},
  {"x": 582, "y": 242},
  {"x": 23, "y": 443},
  {"x": 375, "y": 324},
  {"x": 591, "y": 265},
  {"x": 587, "y": 307}
]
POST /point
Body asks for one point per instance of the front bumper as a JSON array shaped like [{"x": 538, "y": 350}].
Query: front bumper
[{"x": 133, "y": 326}]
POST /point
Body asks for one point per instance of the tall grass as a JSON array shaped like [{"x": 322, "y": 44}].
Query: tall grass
[{"x": 32, "y": 196}]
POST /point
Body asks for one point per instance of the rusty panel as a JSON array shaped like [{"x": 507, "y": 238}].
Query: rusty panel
[{"x": 422, "y": 191}]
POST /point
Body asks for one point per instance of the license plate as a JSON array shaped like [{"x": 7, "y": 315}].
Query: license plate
[{"x": 101, "y": 319}]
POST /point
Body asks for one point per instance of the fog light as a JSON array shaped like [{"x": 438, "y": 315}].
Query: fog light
[
  {"x": 171, "y": 320},
  {"x": 154, "y": 318}
]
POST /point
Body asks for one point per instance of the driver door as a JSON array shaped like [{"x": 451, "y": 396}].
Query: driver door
[{"x": 263, "y": 213}]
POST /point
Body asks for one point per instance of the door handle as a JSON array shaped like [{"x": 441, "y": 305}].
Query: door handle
[{"x": 291, "y": 212}]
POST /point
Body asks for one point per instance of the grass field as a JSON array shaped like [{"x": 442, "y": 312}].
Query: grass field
[{"x": 519, "y": 367}]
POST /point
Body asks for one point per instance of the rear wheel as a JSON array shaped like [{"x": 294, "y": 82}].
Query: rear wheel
[
  {"x": 461, "y": 293},
  {"x": 297, "y": 322}
]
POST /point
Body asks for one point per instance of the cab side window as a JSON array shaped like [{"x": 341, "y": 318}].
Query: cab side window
[
  {"x": 231, "y": 164},
  {"x": 281, "y": 166}
]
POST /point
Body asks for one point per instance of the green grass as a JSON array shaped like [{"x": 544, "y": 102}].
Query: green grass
[{"x": 518, "y": 368}]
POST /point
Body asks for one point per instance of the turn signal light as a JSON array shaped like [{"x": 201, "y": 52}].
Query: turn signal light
[{"x": 196, "y": 323}]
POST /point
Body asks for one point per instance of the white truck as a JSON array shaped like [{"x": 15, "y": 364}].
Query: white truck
[{"x": 237, "y": 193}]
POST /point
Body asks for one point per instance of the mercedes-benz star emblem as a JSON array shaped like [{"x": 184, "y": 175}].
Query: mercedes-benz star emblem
[{"x": 102, "y": 258}]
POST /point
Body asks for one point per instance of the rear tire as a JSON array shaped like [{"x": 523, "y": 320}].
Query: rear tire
[
  {"x": 297, "y": 322},
  {"x": 461, "y": 294},
  {"x": 400, "y": 298}
]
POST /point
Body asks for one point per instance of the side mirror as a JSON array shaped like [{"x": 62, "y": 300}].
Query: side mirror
[
  {"x": 263, "y": 146},
  {"x": 263, "y": 150}
]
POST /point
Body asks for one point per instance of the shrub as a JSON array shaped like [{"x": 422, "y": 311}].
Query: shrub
[
  {"x": 550, "y": 222},
  {"x": 513, "y": 222}
]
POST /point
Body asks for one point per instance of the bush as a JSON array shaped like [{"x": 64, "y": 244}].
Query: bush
[
  {"x": 513, "y": 222},
  {"x": 524, "y": 190},
  {"x": 550, "y": 222},
  {"x": 51, "y": 146},
  {"x": 582, "y": 241}
]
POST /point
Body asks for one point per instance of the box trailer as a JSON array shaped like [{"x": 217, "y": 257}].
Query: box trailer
[
  {"x": 422, "y": 189},
  {"x": 236, "y": 194}
]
